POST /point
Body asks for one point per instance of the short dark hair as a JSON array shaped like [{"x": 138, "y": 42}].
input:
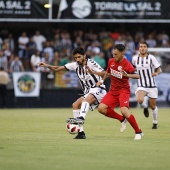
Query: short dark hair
[
  {"x": 120, "y": 47},
  {"x": 144, "y": 42},
  {"x": 78, "y": 50}
]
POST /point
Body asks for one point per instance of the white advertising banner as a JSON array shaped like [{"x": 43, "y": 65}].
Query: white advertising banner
[{"x": 26, "y": 84}]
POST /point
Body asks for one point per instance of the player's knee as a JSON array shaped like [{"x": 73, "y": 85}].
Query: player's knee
[
  {"x": 153, "y": 106},
  {"x": 101, "y": 109},
  {"x": 140, "y": 100}
]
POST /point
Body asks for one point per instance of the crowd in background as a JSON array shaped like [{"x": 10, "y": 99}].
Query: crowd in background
[{"x": 22, "y": 53}]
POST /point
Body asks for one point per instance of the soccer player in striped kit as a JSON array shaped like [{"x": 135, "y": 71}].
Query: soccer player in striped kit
[
  {"x": 147, "y": 67},
  {"x": 85, "y": 69}
]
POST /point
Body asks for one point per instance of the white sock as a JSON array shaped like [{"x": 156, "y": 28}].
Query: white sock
[
  {"x": 84, "y": 109},
  {"x": 76, "y": 113},
  {"x": 81, "y": 128},
  {"x": 155, "y": 115},
  {"x": 145, "y": 102}
]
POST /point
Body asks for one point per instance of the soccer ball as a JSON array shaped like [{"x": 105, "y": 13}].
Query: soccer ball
[{"x": 72, "y": 128}]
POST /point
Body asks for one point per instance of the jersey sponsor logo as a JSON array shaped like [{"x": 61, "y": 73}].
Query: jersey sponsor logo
[{"x": 116, "y": 73}]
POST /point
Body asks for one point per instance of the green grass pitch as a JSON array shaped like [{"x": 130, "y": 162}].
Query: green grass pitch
[{"x": 36, "y": 139}]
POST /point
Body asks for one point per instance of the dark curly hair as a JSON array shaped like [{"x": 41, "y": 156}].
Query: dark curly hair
[{"x": 78, "y": 50}]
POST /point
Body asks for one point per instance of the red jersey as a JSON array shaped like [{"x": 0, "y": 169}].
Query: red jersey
[{"x": 119, "y": 83}]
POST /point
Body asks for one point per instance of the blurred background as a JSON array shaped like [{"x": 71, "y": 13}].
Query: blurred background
[{"x": 48, "y": 30}]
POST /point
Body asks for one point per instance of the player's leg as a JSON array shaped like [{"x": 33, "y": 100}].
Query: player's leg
[
  {"x": 89, "y": 99},
  {"x": 142, "y": 99},
  {"x": 154, "y": 113},
  {"x": 76, "y": 112},
  {"x": 131, "y": 119},
  {"x": 76, "y": 107},
  {"x": 105, "y": 108},
  {"x": 107, "y": 105},
  {"x": 124, "y": 107},
  {"x": 153, "y": 94}
]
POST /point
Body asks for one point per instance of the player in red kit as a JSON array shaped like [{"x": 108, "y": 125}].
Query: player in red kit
[{"x": 120, "y": 70}]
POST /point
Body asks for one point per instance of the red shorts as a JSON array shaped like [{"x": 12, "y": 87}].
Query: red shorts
[{"x": 112, "y": 101}]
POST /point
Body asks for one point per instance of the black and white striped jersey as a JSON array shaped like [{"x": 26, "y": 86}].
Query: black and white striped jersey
[
  {"x": 86, "y": 79},
  {"x": 3, "y": 60},
  {"x": 16, "y": 66},
  {"x": 145, "y": 66}
]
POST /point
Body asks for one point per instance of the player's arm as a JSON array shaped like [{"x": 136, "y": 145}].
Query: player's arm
[
  {"x": 157, "y": 72},
  {"x": 99, "y": 73},
  {"x": 132, "y": 75},
  {"x": 106, "y": 75},
  {"x": 53, "y": 68}
]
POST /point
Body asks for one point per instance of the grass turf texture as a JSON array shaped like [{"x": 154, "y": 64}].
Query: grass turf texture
[{"x": 36, "y": 139}]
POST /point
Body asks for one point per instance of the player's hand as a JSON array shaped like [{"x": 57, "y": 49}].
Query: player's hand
[
  {"x": 154, "y": 74},
  {"x": 41, "y": 64},
  {"x": 124, "y": 73},
  {"x": 99, "y": 83}
]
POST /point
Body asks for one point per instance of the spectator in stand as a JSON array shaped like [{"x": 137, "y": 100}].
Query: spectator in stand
[
  {"x": 3, "y": 61},
  {"x": 56, "y": 59},
  {"x": 22, "y": 42},
  {"x": 31, "y": 48},
  {"x": 48, "y": 49},
  {"x": 7, "y": 51},
  {"x": 165, "y": 39},
  {"x": 64, "y": 59},
  {"x": 65, "y": 40},
  {"x": 4, "y": 79},
  {"x": 39, "y": 40},
  {"x": 99, "y": 57},
  {"x": 78, "y": 42},
  {"x": 35, "y": 59},
  {"x": 1, "y": 43},
  {"x": 11, "y": 42},
  {"x": 57, "y": 42},
  {"x": 121, "y": 40},
  {"x": 151, "y": 41},
  {"x": 130, "y": 45},
  {"x": 162, "y": 39},
  {"x": 45, "y": 72},
  {"x": 16, "y": 65}
]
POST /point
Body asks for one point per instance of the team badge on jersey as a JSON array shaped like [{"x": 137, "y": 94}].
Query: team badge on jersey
[{"x": 119, "y": 68}]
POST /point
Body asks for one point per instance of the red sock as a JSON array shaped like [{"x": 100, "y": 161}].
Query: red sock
[
  {"x": 112, "y": 114},
  {"x": 133, "y": 123}
]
